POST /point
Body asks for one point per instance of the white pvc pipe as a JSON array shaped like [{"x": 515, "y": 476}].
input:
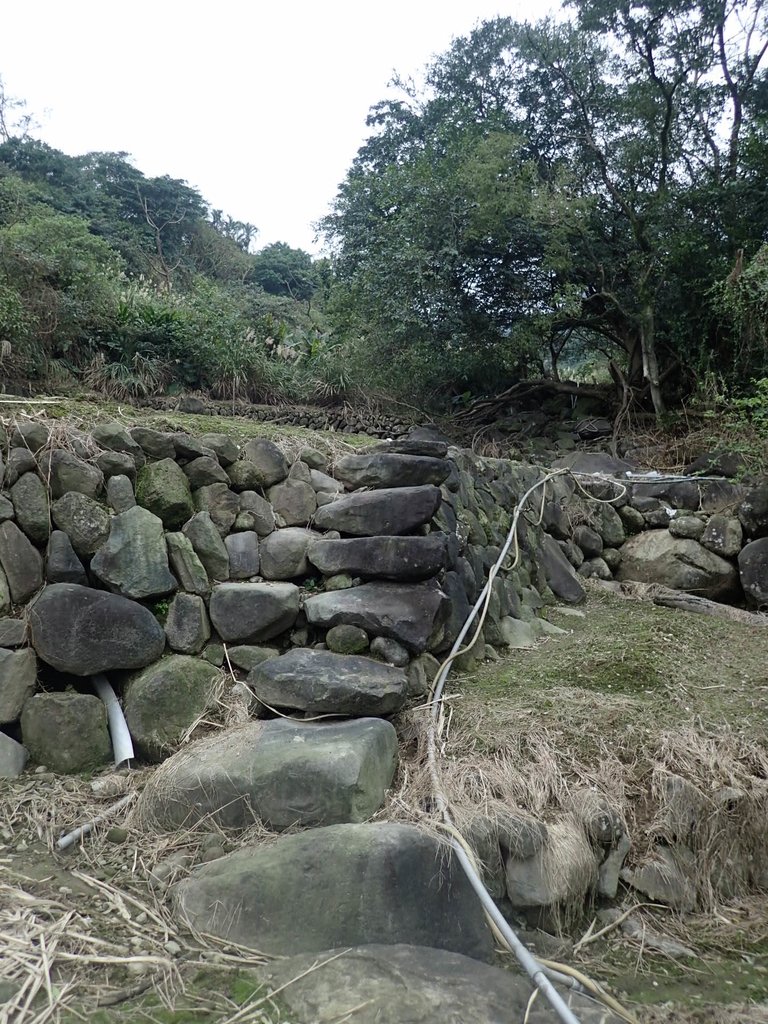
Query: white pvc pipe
[
  {"x": 122, "y": 744},
  {"x": 536, "y": 971},
  {"x": 82, "y": 830},
  {"x": 528, "y": 962}
]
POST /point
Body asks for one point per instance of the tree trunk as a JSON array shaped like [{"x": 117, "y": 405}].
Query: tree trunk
[{"x": 650, "y": 362}]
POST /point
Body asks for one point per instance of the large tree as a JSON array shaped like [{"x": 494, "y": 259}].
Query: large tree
[{"x": 587, "y": 178}]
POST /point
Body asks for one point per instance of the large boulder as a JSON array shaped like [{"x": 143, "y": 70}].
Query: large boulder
[
  {"x": 30, "y": 434},
  {"x": 64, "y": 471},
  {"x": 30, "y": 502},
  {"x": 154, "y": 443},
  {"x": 391, "y": 984},
  {"x": 559, "y": 573},
  {"x": 188, "y": 448},
  {"x": 187, "y": 626},
  {"x": 66, "y": 732},
  {"x": 753, "y": 569},
  {"x": 120, "y": 493},
  {"x": 388, "y": 511},
  {"x": 322, "y": 682},
  {"x": 723, "y": 535},
  {"x": 114, "y": 437},
  {"x": 243, "y": 551},
  {"x": 13, "y": 757},
  {"x": 387, "y": 558},
  {"x": 165, "y": 700},
  {"x": 279, "y": 772},
  {"x": 226, "y": 449},
  {"x": 208, "y": 545},
  {"x": 61, "y": 563},
  {"x": 13, "y": 632},
  {"x": 116, "y": 464},
  {"x": 263, "y": 521},
  {"x": 251, "y": 612},
  {"x": 220, "y": 503},
  {"x": 203, "y": 471},
  {"x": 283, "y": 553},
  {"x": 753, "y": 511},
  {"x": 658, "y": 557},
  {"x": 610, "y": 526},
  {"x": 271, "y": 466},
  {"x": 722, "y": 462},
  {"x": 384, "y": 469},
  {"x": 21, "y": 562},
  {"x": 294, "y": 501},
  {"x": 19, "y": 462},
  {"x": 83, "y": 520},
  {"x": 134, "y": 560},
  {"x": 18, "y": 676},
  {"x": 704, "y": 495},
  {"x": 404, "y": 612},
  {"x": 186, "y": 566},
  {"x": 384, "y": 883},
  {"x": 164, "y": 490},
  {"x": 84, "y": 632},
  {"x": 244, "y": 476}
]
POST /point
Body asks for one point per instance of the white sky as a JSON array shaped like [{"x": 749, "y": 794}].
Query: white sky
[{"x": 261, "y": 106}]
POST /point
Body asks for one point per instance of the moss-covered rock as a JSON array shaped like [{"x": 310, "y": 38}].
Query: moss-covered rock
[
  {"x": 163, "y": 488},
  {"x": 164, "y": 700}
]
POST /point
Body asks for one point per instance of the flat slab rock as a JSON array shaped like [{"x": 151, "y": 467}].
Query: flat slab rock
[
  {"x": 388, "y": 558},
  {"x": 390, "y": 984},
  {"x": 389, "y": 511},
  {"x": 404, "y": 612},
  {"x": 389, "y": 469},
  {"x": 344, "y": 885},
  {"x": 280, "y": 772},
  {"x": 320, "y": 682}
]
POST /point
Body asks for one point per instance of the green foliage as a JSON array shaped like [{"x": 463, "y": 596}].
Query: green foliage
[
  {"x": 754, "y": 406},
  {"x": 56, "y": 281},
  {"x": 132, "y": 283},
  {"x": 740, "y": 306},
  {"x": 552, "y": 183},
  {"x": 281, "y": 270}
]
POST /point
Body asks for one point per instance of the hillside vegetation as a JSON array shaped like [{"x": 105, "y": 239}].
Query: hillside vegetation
[{"x": 580, "y": 198}]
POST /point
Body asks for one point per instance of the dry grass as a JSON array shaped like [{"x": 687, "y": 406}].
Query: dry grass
[
  {"x": 91, "y": 928},
  {"x": 70, "y": 416},
  {"x": 622, "y": 711}
]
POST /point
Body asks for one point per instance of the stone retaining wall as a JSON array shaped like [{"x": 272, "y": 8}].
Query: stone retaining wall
[
  {"x": 342, "y": 418},
  {"x": 143, "y": 552},
  {"x": 174, "y": 563}
]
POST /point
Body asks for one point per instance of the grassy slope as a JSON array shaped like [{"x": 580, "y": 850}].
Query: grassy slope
[{"x": 631, "y": 693}]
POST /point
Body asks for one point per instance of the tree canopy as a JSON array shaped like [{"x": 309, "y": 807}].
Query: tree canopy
[
  {"x": 585, "y": 181},
  {"x": 132, "y": 283}
]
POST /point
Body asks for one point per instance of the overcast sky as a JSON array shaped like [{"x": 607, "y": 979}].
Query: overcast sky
[{"x": 260, "y": 106}]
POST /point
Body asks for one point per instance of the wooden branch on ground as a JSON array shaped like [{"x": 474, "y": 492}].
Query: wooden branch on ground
[
  {"x": 679, "y": 600},
  {"x": 491, "y": 406}
]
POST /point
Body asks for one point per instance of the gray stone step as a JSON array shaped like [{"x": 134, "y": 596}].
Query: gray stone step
[
  {"x": 280, "y": 772},
  {"x": 344, "y": 885},
  {"x": 321, "y": 682}
]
